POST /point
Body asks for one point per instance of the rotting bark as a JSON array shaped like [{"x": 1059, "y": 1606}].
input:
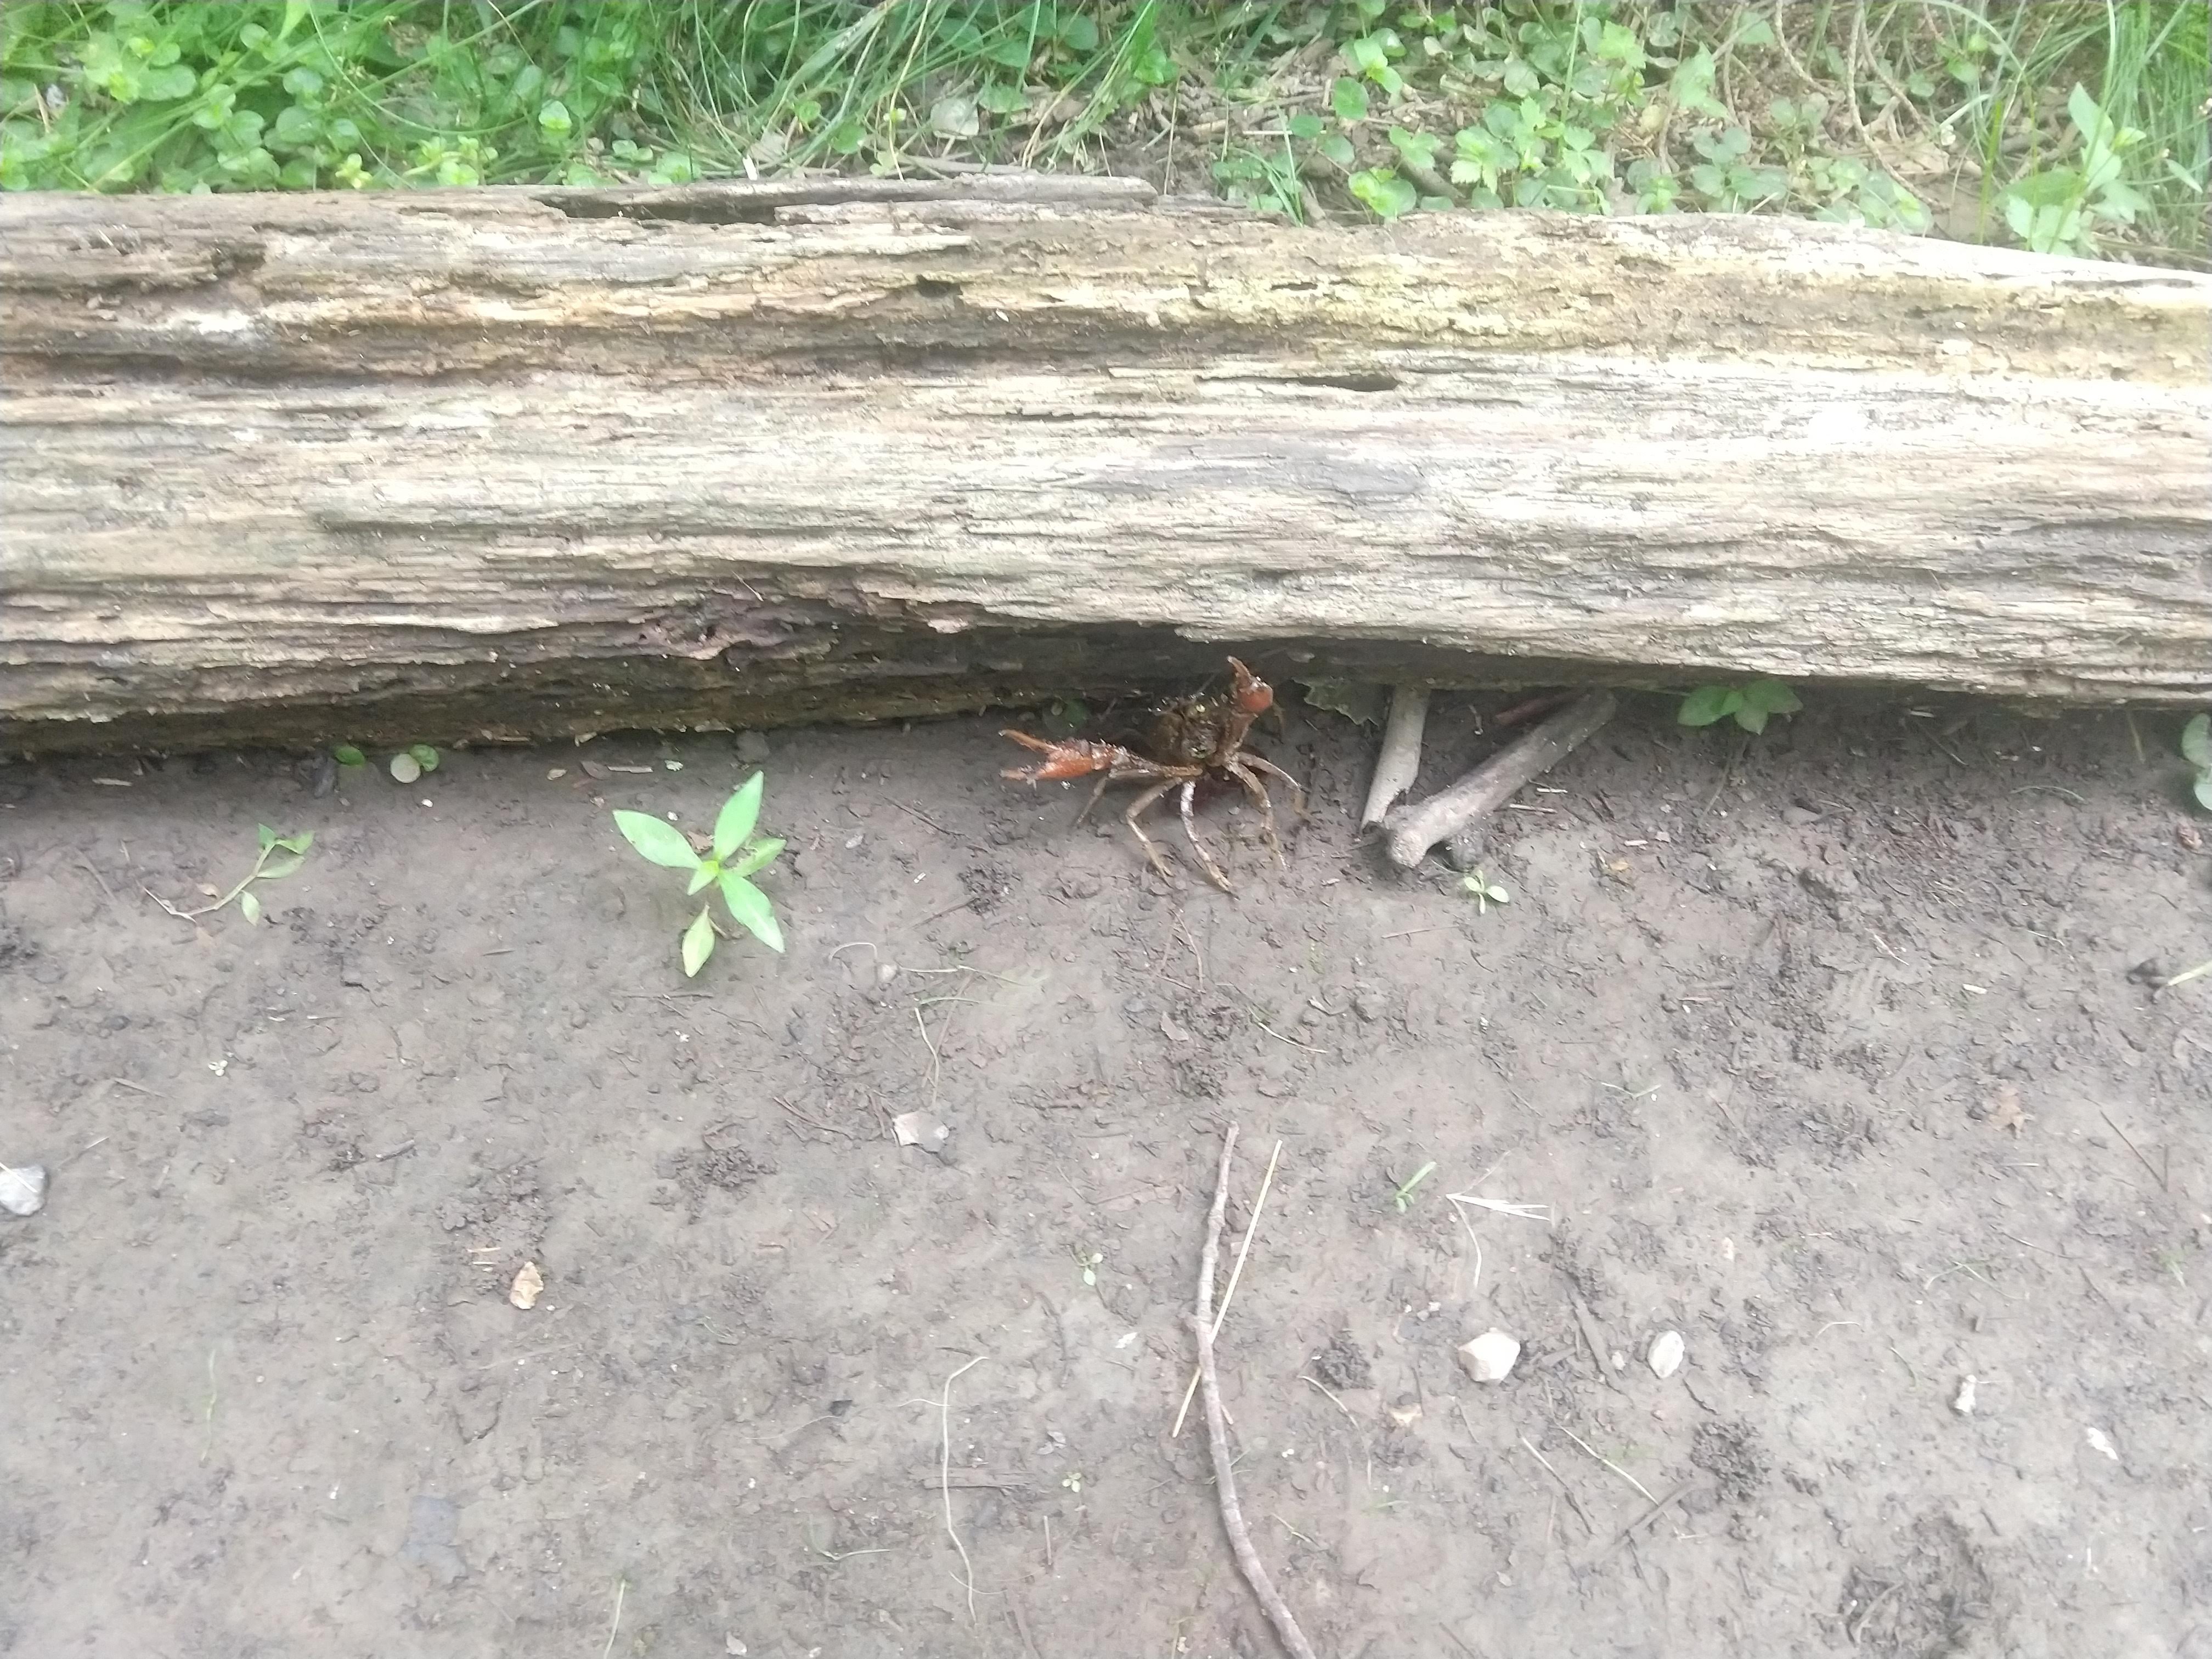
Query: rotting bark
[{"x": 519, "y": 463}]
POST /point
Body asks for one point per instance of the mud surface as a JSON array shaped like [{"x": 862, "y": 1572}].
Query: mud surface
[{"x": 1822, "y": 1050}]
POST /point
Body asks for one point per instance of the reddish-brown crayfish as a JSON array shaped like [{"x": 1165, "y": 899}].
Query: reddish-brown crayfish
[{"x": 1188, "y": 739}]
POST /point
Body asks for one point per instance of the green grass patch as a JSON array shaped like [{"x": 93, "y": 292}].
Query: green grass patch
[{"x": 2067, "y": 125}]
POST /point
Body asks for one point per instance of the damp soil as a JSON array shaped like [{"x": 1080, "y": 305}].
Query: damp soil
[{"x": 1831, "y": 1051}]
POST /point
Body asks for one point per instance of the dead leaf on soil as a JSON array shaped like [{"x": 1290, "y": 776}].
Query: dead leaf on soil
[
  {"x": 529, "y": 1285},
  {"x": 2004, "y": 1109},
  {"x": 922, "y": 1129}
]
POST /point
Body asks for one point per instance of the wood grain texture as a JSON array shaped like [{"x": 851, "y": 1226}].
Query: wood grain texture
[{"x": 518, "y": 463}]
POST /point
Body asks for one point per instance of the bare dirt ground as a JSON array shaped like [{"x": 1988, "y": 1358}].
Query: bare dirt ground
[{"x": 1821, "y": 1049}]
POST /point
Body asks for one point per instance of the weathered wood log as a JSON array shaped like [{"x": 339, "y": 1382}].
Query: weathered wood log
[{"x": 518, "y": 463}]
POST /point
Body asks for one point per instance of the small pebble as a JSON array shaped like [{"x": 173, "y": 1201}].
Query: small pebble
[
  {"x": 1489, "y": 1357},
  {"x": 1963, "y": 1401},
  {"x": 22, "y": 1189},
  {"x": 1665, "y": 1356}
]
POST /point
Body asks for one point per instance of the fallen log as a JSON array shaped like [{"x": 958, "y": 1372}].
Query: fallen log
[{"x": 518, "y": 463}]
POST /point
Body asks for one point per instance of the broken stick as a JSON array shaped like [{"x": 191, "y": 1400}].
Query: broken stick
[
  {"x": 1400, "y": 762},
  {"x": 1217, "y": 1426},
  {"x": 1414, "y": 830}
]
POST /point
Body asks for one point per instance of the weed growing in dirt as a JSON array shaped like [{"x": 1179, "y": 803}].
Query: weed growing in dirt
[
  {"x": 1752, "y": 703},
  {"x": 279, "y": 856},
  {"x": 730, "y": 858},
  {"x": 1402, "y": 1200},
  {"x": 2196, "y": 750},
  {"x": 1478, "y": 886},
  {"x": 411, "y": 762}
]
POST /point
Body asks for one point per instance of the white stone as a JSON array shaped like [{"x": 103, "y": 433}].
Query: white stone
[
  {"x": 1963, "y": 1401},
  {"x": 1665, "y": 1356},
  {"x": 22, "y": 1189},
  {"x": 1489, "y": 1357}
]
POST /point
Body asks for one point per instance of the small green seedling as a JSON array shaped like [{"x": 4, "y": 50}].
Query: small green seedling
[
  {"x": 1089, "y": 1261},
  {"x": 1751, "y": 703},
  {"x": 280, "y": 855},
  {"x": 2196, "y": 750},
  {"x": 412, "y": 762},
  {"x": 1484, "y": 892},
  {"x": 733, "y": 857},
  {"x": 346, "y": 754},
  {"x": 1403, "y": 1198}
]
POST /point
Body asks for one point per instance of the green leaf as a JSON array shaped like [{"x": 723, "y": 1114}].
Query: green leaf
[
  {"x": 752, "y": 909},
  {"x": 954, "y": 117},
  {"x": 162, "y": 85},
  {"x": 2082, "y": 108},
  {"x": 249, "y": 907},
  {"x": 1709, "y": 703},
  {"x": 698, "y": 943},
  {"x": 1772, "y": 696},
  {"x": 2204, "y": 790},
  {"x": 283, "y": 865},
  {"x": 703, "y": 877},
  {"x": 735, "y": 821},
  {"x": 2196, "y": 741},
  {"x": 1691, "y": 86},
  {"x": 758, "y": 857},
  {"x": 1348, "y": 99},
  {"x": 405, "y": 769},
  {"x": 1306, "y": 126},
  {"x": 1418, "y": 148},
  {"x": 268, "y": 837},
  {"x": 295, "y": 127},
  {"x": 1337, "y": 149},
  {"x": 346, "y": 755},
  {"x": 657, "y": 840},
  {"x": 554, "y": 122},
  {"x": 299, "y": 843},
  {"x": 425, "y": 757},
  {"x": 1751, "y": 717},
  {"x": 1079, "y": 33},
  {"x": 1384, "y": 192},
  {"x": 302, "y": 83}
]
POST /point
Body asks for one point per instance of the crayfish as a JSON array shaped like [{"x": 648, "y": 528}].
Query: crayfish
[{"x": 1188, "y": 739}]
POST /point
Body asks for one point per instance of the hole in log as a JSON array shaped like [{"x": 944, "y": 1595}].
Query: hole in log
[
  {"x": 1370, "y": 382},
  {"x": 692, "y": 210},
  {"x": 933, "y": 288}
]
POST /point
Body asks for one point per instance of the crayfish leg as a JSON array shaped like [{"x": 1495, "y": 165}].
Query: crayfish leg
[{"x": 1190, "y": 829}]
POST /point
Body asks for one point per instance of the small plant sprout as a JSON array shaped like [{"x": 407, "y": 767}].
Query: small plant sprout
[
  {"x": 280, "y": 855},
  {"x": 1089, "y": 1261},
  {"x": 1751, "y": 703},
  {"x": 1478, "y": 886},
  {"x": 2196, "y": 750},
  {"x": 412, "y": 762},
  {"x": 731, "y": 859},
  {"x": 1403, "y": 1198}
]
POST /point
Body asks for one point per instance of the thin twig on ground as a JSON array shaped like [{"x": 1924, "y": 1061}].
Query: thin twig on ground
[
  {"x": 1573, "y": 1502},
  {"x": 1235, "y": 1272},
  {"x": 2132, "y": 1146},
  {"x": 1645, "y": 1519},
  {"x": 1640, "y": 1488},
  {"x": 1216, "y": 1427},
  {"x": 945, "y": 1479},
  {"x": 614, "y": 1628}
]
